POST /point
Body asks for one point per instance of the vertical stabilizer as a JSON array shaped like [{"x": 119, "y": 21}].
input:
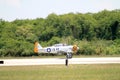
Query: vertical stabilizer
[{"x": 37, "y": 46}]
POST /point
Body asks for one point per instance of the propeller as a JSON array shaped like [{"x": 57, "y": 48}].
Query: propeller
[{"x": 75, "y": 48}]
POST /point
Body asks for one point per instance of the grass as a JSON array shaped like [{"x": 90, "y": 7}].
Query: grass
[{"x": 61, "y": 72}]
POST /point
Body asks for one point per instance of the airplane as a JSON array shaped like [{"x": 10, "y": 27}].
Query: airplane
[{"x": 56, "y": 49}]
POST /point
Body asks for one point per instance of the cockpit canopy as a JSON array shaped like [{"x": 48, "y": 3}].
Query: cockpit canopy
[{"x": 58, "y": 45}]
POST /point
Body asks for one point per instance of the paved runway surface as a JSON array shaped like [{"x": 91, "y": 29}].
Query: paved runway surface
[{"x": 55, "y": 61}]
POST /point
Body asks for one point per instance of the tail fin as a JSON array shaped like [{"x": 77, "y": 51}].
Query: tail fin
[{"x": 36, "y": 47}]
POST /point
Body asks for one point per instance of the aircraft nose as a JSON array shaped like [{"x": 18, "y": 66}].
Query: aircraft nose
[{"x": 75, "y": 48}]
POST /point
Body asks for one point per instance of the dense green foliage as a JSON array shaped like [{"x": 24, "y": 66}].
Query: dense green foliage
[{"x": 95, "y": 33}]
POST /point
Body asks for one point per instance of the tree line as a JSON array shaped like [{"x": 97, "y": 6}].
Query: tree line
[{"x": 17, "y": 37}]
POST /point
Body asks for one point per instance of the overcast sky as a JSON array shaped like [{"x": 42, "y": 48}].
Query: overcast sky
[{"x": 31, "y": 9}]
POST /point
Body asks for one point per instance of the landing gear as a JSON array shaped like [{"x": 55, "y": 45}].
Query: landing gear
[{"x": 68, "y": 56}]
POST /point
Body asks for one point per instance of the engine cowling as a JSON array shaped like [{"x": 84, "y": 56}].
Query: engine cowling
[{"x": 75, "y": 48}]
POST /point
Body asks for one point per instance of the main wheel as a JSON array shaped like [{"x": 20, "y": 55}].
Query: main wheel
[{"x": 69, "y": 55}]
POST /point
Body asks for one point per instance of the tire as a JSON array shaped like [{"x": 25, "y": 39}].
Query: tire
[{"x": 69, "y": 55}]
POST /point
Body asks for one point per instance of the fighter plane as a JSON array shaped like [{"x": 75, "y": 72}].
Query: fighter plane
[{"x": 56, "y": 48}]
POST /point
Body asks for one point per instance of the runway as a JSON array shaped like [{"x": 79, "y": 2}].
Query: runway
[{"x": 59, "y": 61}]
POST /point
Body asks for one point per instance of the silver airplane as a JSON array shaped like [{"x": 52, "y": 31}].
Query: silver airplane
[{"x": 56, "y": 49}]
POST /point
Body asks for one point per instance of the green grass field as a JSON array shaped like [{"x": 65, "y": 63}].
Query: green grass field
[{"x": 61, "y": 72}]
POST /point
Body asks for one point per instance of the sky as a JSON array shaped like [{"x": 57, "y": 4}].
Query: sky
[{"x": 11, "y": 10}]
